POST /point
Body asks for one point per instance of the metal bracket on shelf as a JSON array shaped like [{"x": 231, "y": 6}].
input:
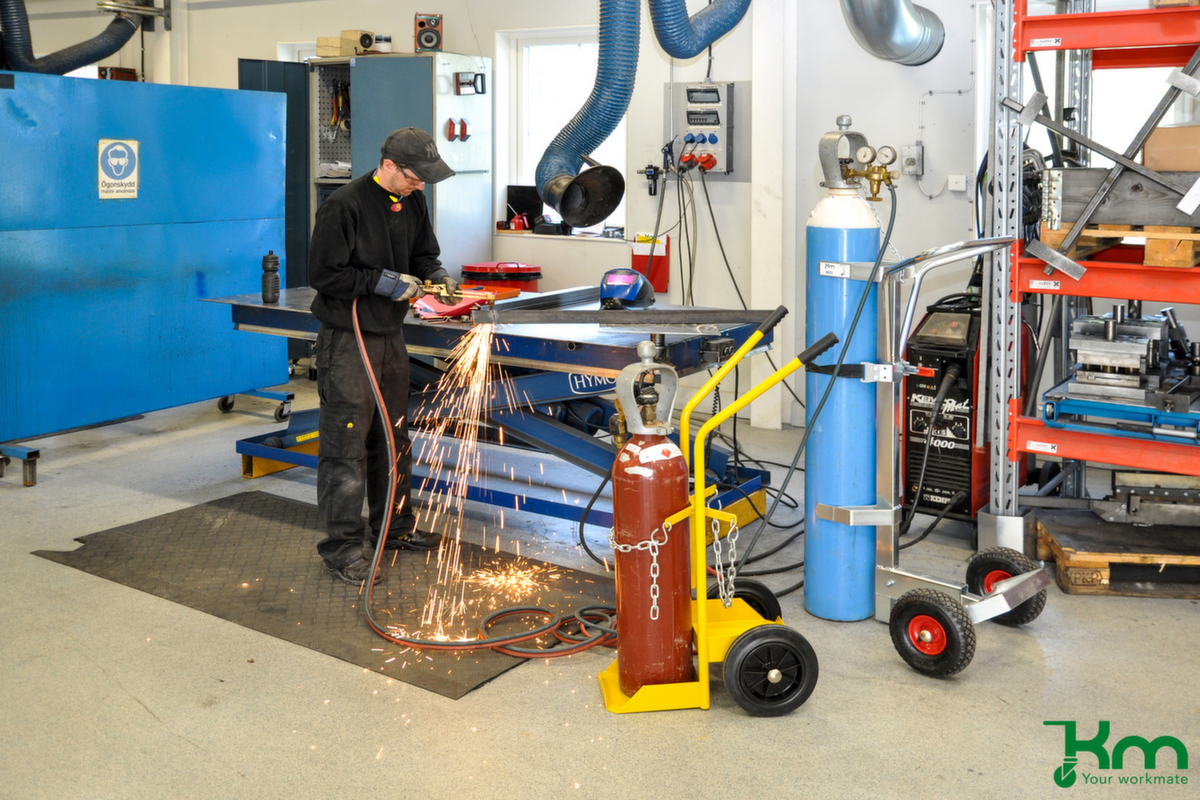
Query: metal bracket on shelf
[
  {"x": 1055, "y": 259},
  {"x": 1191, "y": 200},
  {"x": 1184, "y": 83},
  {"x": 1031, "y": 111}
]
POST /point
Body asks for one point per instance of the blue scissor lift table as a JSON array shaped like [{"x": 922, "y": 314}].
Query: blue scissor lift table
[{"x": 550, "y": 364}]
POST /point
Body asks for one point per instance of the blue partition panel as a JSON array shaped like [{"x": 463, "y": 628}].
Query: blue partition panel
[{"x": 100, "y": 309}]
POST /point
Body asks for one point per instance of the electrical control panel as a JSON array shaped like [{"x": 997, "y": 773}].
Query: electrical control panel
[{"x": 704, "y": 121}]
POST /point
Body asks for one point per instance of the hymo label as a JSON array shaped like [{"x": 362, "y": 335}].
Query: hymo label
[{"x": 590, "y": 384}]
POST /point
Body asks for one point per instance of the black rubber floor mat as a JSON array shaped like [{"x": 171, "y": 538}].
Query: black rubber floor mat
[{"x": 251, "y": 559}]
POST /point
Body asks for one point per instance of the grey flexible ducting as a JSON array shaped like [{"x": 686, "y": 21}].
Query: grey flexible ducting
[
  {"x": 895, "y": 30},
  {"x": 18, "y": 44}
]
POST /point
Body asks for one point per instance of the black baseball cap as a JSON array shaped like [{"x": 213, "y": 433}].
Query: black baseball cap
[{"x": 415, "y": 149}]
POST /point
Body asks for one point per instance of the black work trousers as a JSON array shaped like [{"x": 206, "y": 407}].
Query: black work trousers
[{"x": 353, "y": 454}]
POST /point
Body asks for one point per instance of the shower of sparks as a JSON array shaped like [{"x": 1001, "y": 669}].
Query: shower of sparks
[
  {"x": 516, "y": 581},
  {"x": 451, "y": 452}
]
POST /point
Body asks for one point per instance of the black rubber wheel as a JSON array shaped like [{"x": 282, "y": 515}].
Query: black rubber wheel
[
  {"x": 272, "y": 441},
  {"x": 282, "y": 412},
  {"x": 225, "y": 404},
  {"x": 988, "y": 567},
  {"x": 1048, "y": 472},
  {"x": 757, "y": 595},
  {"x": 932, "y": 633},
  {"x": 312, "y": 373},
  {"x": 770, "y": 670}
]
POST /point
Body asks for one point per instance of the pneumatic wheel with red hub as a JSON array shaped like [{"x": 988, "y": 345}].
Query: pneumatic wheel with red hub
[
  {"x": 932, "y": 633},
  {"x": 988, "y": 567}
]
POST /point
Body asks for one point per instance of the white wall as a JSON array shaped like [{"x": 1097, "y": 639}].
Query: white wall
[{"x": 806, "y": 68}]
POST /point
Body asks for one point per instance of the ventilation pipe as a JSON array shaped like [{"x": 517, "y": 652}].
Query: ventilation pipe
[
  {"x": 681, "y": 36},
  {"x": 18, "y": 44},
  {"x": 895, "y": 30},
  {"x": 585, "y": 198}
]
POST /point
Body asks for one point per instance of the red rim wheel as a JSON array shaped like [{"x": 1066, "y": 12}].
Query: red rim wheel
[
  {"x": 989, "y": 567},
  {"x": 932, "y": 632},
  {"x": 927, "y": 635},
  {"x": 992, "y": 578}
]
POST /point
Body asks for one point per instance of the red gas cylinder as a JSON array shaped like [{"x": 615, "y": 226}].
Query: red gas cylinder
[{"x": 650, "y": 483}]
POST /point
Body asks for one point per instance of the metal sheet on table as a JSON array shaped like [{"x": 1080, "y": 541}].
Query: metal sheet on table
[{"x": 579, "y": 348}]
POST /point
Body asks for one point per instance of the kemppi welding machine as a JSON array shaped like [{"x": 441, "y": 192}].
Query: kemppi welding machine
[{"x": 946, "y": 446}]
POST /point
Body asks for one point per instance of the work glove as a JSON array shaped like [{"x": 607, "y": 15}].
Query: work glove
[
  {"x": 452, "y": 286},
  {"x": 398, "y": 286}
]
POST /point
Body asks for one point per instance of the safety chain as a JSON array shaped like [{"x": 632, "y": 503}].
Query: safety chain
[
  {"x": 725, "y": 576},
  {"x": 651, "y": 545}
]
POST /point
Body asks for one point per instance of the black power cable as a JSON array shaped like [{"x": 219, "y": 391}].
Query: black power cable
[
  {"x": 729, "y": 269},
  {"x": 948, "y": 378}
]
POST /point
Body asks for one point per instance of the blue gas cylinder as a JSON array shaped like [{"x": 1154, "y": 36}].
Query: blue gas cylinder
[{"x": 839, "y": 560}]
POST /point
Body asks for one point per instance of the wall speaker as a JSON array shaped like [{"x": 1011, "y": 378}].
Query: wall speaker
[{"x": 428, "y": 32}]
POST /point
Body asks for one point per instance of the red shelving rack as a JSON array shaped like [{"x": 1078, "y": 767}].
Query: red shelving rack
[{"x": 1156, "y": 37}]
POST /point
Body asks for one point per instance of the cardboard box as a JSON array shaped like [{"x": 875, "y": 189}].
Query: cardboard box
[
  {"x": 329, "y": 46},
  {"x": 1173, "y": 148},
  {"x": 364, "y": 40}
]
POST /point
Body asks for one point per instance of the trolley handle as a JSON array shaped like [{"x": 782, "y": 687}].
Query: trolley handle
[
  {"x": 824, "y": 343},
  {"x": 770, "y": 322}
]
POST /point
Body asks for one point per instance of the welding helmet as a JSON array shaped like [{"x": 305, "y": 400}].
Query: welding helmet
[{"x": 625, "y": 288}]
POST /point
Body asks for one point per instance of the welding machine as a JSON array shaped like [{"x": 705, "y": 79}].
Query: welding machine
[{"x": 955, "y": 459}]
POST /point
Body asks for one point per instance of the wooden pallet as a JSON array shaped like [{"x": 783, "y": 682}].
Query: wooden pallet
[
  {"x": 1166, "y": 245},
  {"x": 1107, "y": 558}
]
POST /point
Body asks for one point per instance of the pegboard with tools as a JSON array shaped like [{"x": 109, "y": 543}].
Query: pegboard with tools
[{"x": 331, "y": 113}]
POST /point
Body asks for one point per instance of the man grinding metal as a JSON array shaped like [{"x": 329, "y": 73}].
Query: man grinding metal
[{"x": 373, "y": 240}]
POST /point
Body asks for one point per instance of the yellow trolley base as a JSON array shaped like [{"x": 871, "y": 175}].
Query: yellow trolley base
[{"x": 723, "y": 626}]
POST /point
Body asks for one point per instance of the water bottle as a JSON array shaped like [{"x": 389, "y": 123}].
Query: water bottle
[{"x": 270, "y": 264}]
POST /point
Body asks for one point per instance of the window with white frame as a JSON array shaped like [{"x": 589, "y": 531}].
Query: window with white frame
[{"x": 553, "y": 76}]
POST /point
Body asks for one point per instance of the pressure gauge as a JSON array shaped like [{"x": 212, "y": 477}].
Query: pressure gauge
[
  {"x": 887, "y": 155},
  {"x": 865, "y": 154}
]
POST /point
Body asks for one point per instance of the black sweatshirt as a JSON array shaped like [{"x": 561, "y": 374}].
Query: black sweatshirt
[{"x": 357, "y": 235}]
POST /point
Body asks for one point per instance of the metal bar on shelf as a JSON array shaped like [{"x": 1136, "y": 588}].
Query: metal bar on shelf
[
  {"x": 1109, "y": 29},
  {"x": 1142, "y": 57},
  {"x": 1160, "y": 284},
  {"x": 1031, "y": 435}
]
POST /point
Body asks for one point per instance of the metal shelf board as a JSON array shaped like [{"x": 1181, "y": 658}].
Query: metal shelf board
[
  {"x": 1140, "y": 57},
  {"x": 1112, "y": 279},
  {"x": 1030, "y": 435},
  {"x": 1099, "y": 30}
]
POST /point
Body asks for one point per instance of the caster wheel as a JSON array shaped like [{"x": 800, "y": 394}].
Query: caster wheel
[
  {"x": 225, "y": 404},
  {"x": 272, "y": 441},
  {"x": 757, "y": 595},
  {"x": 282, "y": 412},
  {"x": 291, "y": 369},
  {"x": 770, "y": 670},
  {"x": 312, "y": 373},
  {"x": 989, "y": 567},
  {"x": 932, "y": 633}
]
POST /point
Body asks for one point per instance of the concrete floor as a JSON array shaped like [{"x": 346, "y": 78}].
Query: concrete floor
[{"x": 107, "y": 692}]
